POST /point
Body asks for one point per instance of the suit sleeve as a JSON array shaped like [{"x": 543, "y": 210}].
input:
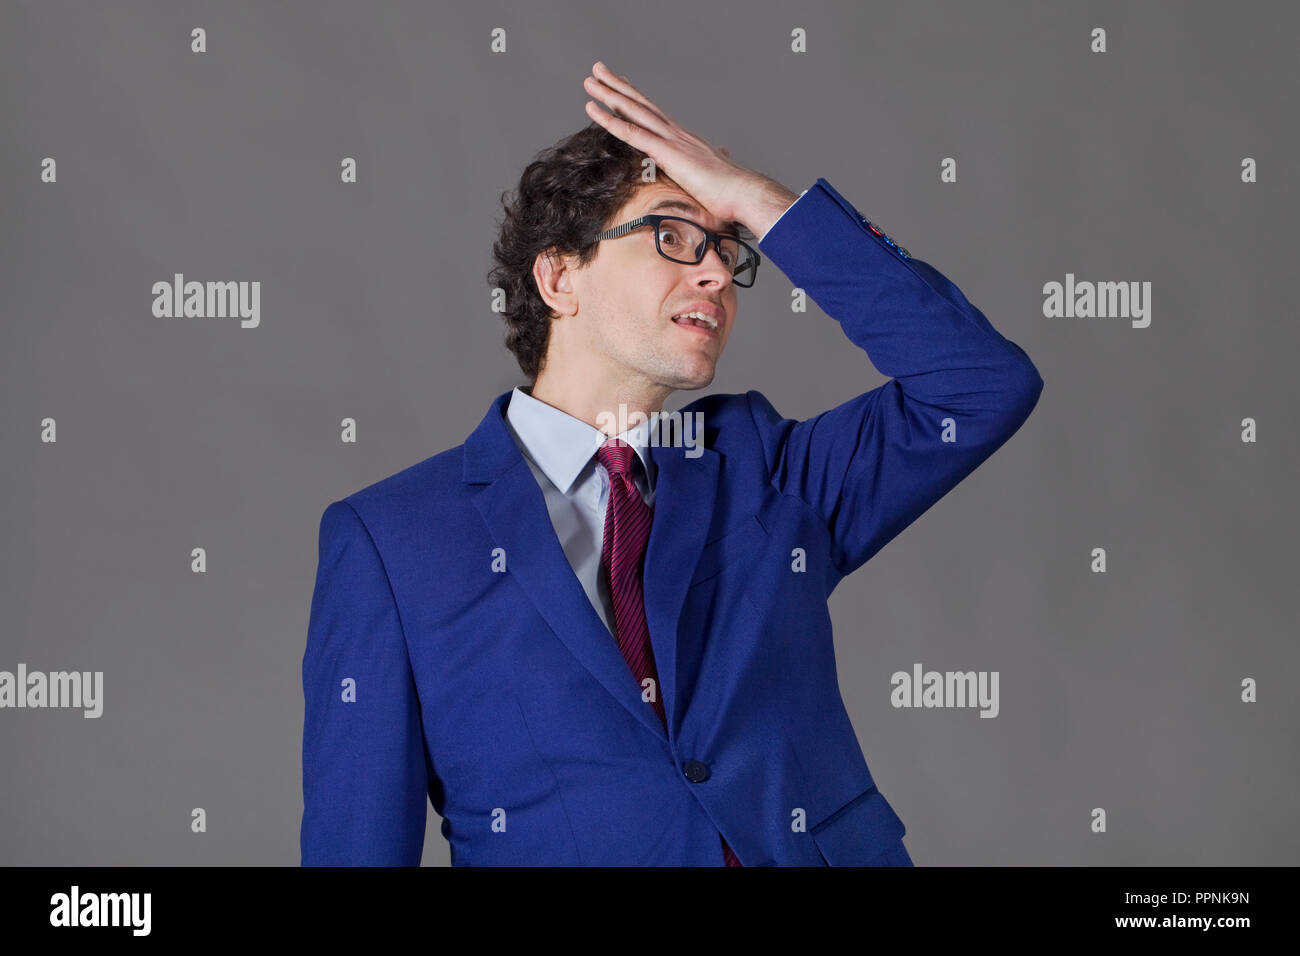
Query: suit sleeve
[
  {"x": 364, "y": 776},
  {"x": 959, "y": 390}
]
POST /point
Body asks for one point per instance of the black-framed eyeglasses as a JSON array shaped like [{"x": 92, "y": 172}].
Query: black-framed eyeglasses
[{"x": 687, "y": 242}]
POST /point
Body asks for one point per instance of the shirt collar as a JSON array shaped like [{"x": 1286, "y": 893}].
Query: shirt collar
[{"x": 561, "y": 445}]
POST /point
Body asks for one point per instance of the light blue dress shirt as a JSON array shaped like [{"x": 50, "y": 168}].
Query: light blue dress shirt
[{"x": 561, "y": 453}]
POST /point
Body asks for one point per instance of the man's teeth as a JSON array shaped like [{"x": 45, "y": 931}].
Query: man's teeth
[{"x": 700, "y": 318}]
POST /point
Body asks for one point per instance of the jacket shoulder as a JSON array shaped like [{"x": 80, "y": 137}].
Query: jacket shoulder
[
  {"x": 728, "y": 412},
  {"x": 412, "y": 492},
  {"x": 740, "y": 427}
]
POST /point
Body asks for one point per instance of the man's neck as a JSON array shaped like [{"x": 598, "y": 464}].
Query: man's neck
[{"x": 601, "y": 408}]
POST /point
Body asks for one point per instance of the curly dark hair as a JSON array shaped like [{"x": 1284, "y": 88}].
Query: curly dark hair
[{"x": 564, "y": 200}]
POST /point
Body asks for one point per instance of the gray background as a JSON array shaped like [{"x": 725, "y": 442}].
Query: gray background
[{"x": 1118, "y": 690}]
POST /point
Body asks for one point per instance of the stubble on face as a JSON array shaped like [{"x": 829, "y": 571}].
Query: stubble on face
[{"x": 632, "y": 294}]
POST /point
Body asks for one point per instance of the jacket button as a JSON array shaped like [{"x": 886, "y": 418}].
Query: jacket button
[{"x": 695, "y": 771}]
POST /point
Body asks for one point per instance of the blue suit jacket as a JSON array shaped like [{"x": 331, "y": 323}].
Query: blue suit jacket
[{"x": 502, "y": 697}]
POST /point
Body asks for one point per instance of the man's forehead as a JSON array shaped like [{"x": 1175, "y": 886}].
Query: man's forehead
[{"x": 670, "y": 201}]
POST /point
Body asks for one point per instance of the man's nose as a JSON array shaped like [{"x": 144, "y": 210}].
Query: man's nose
[{"x": 712, "y": 266}]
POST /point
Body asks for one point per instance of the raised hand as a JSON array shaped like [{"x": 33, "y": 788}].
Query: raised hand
[{"x": 721, "y": 186}]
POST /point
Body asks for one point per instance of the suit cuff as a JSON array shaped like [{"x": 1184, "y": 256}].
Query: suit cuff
[{"x": 779, "y": 218}]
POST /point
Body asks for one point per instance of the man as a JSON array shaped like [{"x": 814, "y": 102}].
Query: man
[{"x": 597, "y": 651}]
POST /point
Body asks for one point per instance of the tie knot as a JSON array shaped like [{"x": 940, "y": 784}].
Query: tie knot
[{"x": 616, "y": 455}]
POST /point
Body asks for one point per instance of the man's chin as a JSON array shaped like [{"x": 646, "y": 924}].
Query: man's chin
[
  {"x": 695, "y": 386},
  {"x": 690, "y": 380}
]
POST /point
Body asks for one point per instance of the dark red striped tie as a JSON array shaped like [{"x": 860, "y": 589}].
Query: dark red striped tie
[{"x": 622, "y": 552}]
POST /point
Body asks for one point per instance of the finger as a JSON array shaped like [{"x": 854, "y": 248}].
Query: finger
[
  {"x": 628, "y": 109},
  {"x": 635, "y": 136},
  {"x": 623, "y": 105},
  {"x": 621, "y": 84}
]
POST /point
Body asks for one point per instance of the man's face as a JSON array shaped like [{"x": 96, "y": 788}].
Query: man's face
[{"x": 628, "y": 295}]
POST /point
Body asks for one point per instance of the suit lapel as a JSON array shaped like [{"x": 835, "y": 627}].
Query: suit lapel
[
  {"x": 514, "y": 510},
  {"x": 685, "y": 489}
]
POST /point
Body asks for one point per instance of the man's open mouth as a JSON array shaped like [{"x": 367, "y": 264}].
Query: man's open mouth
[{"x": 698, "y": 319}]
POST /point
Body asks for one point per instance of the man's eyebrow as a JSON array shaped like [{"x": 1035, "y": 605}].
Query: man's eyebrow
[{"x": 731, "y": 226}]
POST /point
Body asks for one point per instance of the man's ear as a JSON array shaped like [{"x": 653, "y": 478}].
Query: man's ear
[{"x": 551, "y": 273}]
